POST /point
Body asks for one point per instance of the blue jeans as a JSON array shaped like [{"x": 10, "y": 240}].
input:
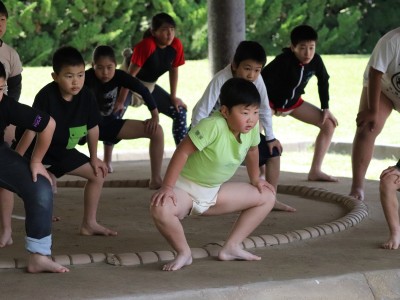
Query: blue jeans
[{"x": 16, "y": 176}]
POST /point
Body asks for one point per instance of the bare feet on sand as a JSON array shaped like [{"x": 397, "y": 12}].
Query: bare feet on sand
[
  {"x": 180, "y": 261},
  {"x": 321, "y": 176},
  {"x": 109, "y": 167},
  {"x": 357, "y": 193},
  {"x": 5, "y": 238},
  {"x": 155, "y": 184},
  {"x": 236, "y": 253},
  {"x": 393, "y": 242},
  {"x": 39, "y": 263},
  {"x": 283, "y": 207},
  {"x": 96, "y": 229}
]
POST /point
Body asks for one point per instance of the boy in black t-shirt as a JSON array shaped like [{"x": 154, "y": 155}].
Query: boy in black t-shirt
[{"x": 74, "y": 108}]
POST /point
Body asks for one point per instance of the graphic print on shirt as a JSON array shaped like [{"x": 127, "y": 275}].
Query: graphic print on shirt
[
  {"x": 108, "y": 101},
  {"x": 75, "y": 134},
  {"x": 396, "y": 83}
]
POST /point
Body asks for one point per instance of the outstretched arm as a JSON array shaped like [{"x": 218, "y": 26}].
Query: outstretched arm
[
  {"x": 42, "y": 145},
  {"x": 178, "y": 161},
  {"x": 123, "y": 93},
  {"x": 253, "y": 171},
  {"x": 173, "y": 82},
  {"x": 370, "y": 116}
]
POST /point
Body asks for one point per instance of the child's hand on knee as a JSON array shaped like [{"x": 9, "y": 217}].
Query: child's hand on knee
[{"x": 165, "y": 193}]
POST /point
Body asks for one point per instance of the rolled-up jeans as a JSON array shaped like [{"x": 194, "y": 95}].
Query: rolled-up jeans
[{"x": 16, "y": 176}]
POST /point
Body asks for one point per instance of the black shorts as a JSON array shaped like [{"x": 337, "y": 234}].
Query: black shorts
[
  {"x": 109, "y": 128},
  {"x": 71, "y": 160},
  {"x": 263, "y": 151}
]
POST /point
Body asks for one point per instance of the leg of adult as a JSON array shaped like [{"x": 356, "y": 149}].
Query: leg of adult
[
  {"x": 311, "y": 114},
  {"x": 388, "y": 189},
  {"x": 363, "y": 144},
  {"x": 167, "y": 220},
  {"x": 164, "y": 105},
  {"x": 133, "y": 129},
  {"x": 92, "y": 193},
  {"x": 254, "y": 207},
  {"x": 6, "y": 209},
  {"x": 15, "y": 176}
]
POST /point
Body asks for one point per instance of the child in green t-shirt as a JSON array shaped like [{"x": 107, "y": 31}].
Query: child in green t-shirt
[{"x": 196, "y": 181}]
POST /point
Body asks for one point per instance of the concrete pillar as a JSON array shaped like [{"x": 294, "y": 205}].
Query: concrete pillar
[{"x": 226, "y": 29}]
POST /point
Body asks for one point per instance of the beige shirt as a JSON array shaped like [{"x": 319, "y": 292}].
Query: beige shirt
[{"x": 10, "y": 59}]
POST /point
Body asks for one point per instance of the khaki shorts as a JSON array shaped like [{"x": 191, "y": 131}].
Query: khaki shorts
[
  {"x": 137, "y": 100},
  {"x": 203, "y": 197}
]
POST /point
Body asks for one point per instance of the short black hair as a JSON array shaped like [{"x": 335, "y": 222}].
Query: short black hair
[
  {"x": 159, "y": 19},
  {"x": 2, "y": 71},
  {"x": 250, "y": 50},
  {"x": 239, "y": 91},
  {"x": 303, "y": 33},
  {"x": 3, "y": 9},
  {"x": 66, "y": 56},
  {"x": 103, "y": 51}
]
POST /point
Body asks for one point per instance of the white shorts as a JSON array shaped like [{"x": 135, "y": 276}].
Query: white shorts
[{"x": 203, "y": 197}]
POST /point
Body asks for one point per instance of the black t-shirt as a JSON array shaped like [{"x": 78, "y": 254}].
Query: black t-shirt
[
  {"x": 107, "y": 93},
  {"x": 21, "y": 115},
  {"x": 73, "y": 118}
]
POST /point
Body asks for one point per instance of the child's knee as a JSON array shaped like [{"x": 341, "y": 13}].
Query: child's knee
[{"x": 388, "y": 184}]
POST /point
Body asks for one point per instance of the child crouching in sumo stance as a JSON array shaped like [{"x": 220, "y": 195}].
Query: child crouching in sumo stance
[{"x": 195, "y": 182}]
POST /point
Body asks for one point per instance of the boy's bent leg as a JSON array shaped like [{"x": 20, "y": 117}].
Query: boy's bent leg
[
  {"x": 254, "y": 207},
  {"x": 167, "y": 220},
  {"x": 133, "y": 129},
  {"x": 6, "y": 208},
  {"x": 310, "y": 114},
  {"x": 91, "y": 196},
  {"x": 363, "y": 144},
  {"x": 388, "y": 189}
]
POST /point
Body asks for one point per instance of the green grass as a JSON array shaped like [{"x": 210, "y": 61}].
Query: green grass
[{"x": 345, "y": 87}]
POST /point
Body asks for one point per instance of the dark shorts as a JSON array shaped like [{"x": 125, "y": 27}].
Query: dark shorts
[
  {"x": 263, "y": 151},
  {"x": 109, "y": 128},
  {"x": 71, "y": 160}
]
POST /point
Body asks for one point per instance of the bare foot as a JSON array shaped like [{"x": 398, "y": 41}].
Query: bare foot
[
  {"x": 393, "y": 242},
  {"x": 321, "y": 176},
  {"x": 96, "y": 229},
  {"x": 109, "y": 167},
  {"x": 5, "y": 238},
  {"x": 283, "y": 207},
  {"x": 180, "y": 261},
  {"x": 155, "y": 184},
  {"x": 40, "y": 263},
  {"x": 236, "y": 254},
  {"x": 357, "y": 193}
]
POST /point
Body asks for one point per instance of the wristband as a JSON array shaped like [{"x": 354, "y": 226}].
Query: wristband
[{"x": 270, "y": 141}]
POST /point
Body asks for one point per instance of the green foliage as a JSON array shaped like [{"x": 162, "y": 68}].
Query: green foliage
[{"x": 37, "y": 28}]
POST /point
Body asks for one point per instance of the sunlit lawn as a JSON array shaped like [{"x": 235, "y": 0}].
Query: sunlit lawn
[{"x": 345, "y": 87}]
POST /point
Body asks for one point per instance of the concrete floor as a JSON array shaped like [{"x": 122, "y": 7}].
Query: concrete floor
[{"x": 348, "y": 264}]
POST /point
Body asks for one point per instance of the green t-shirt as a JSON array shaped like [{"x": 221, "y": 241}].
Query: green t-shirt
[{"x": 219, "y": 153}]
